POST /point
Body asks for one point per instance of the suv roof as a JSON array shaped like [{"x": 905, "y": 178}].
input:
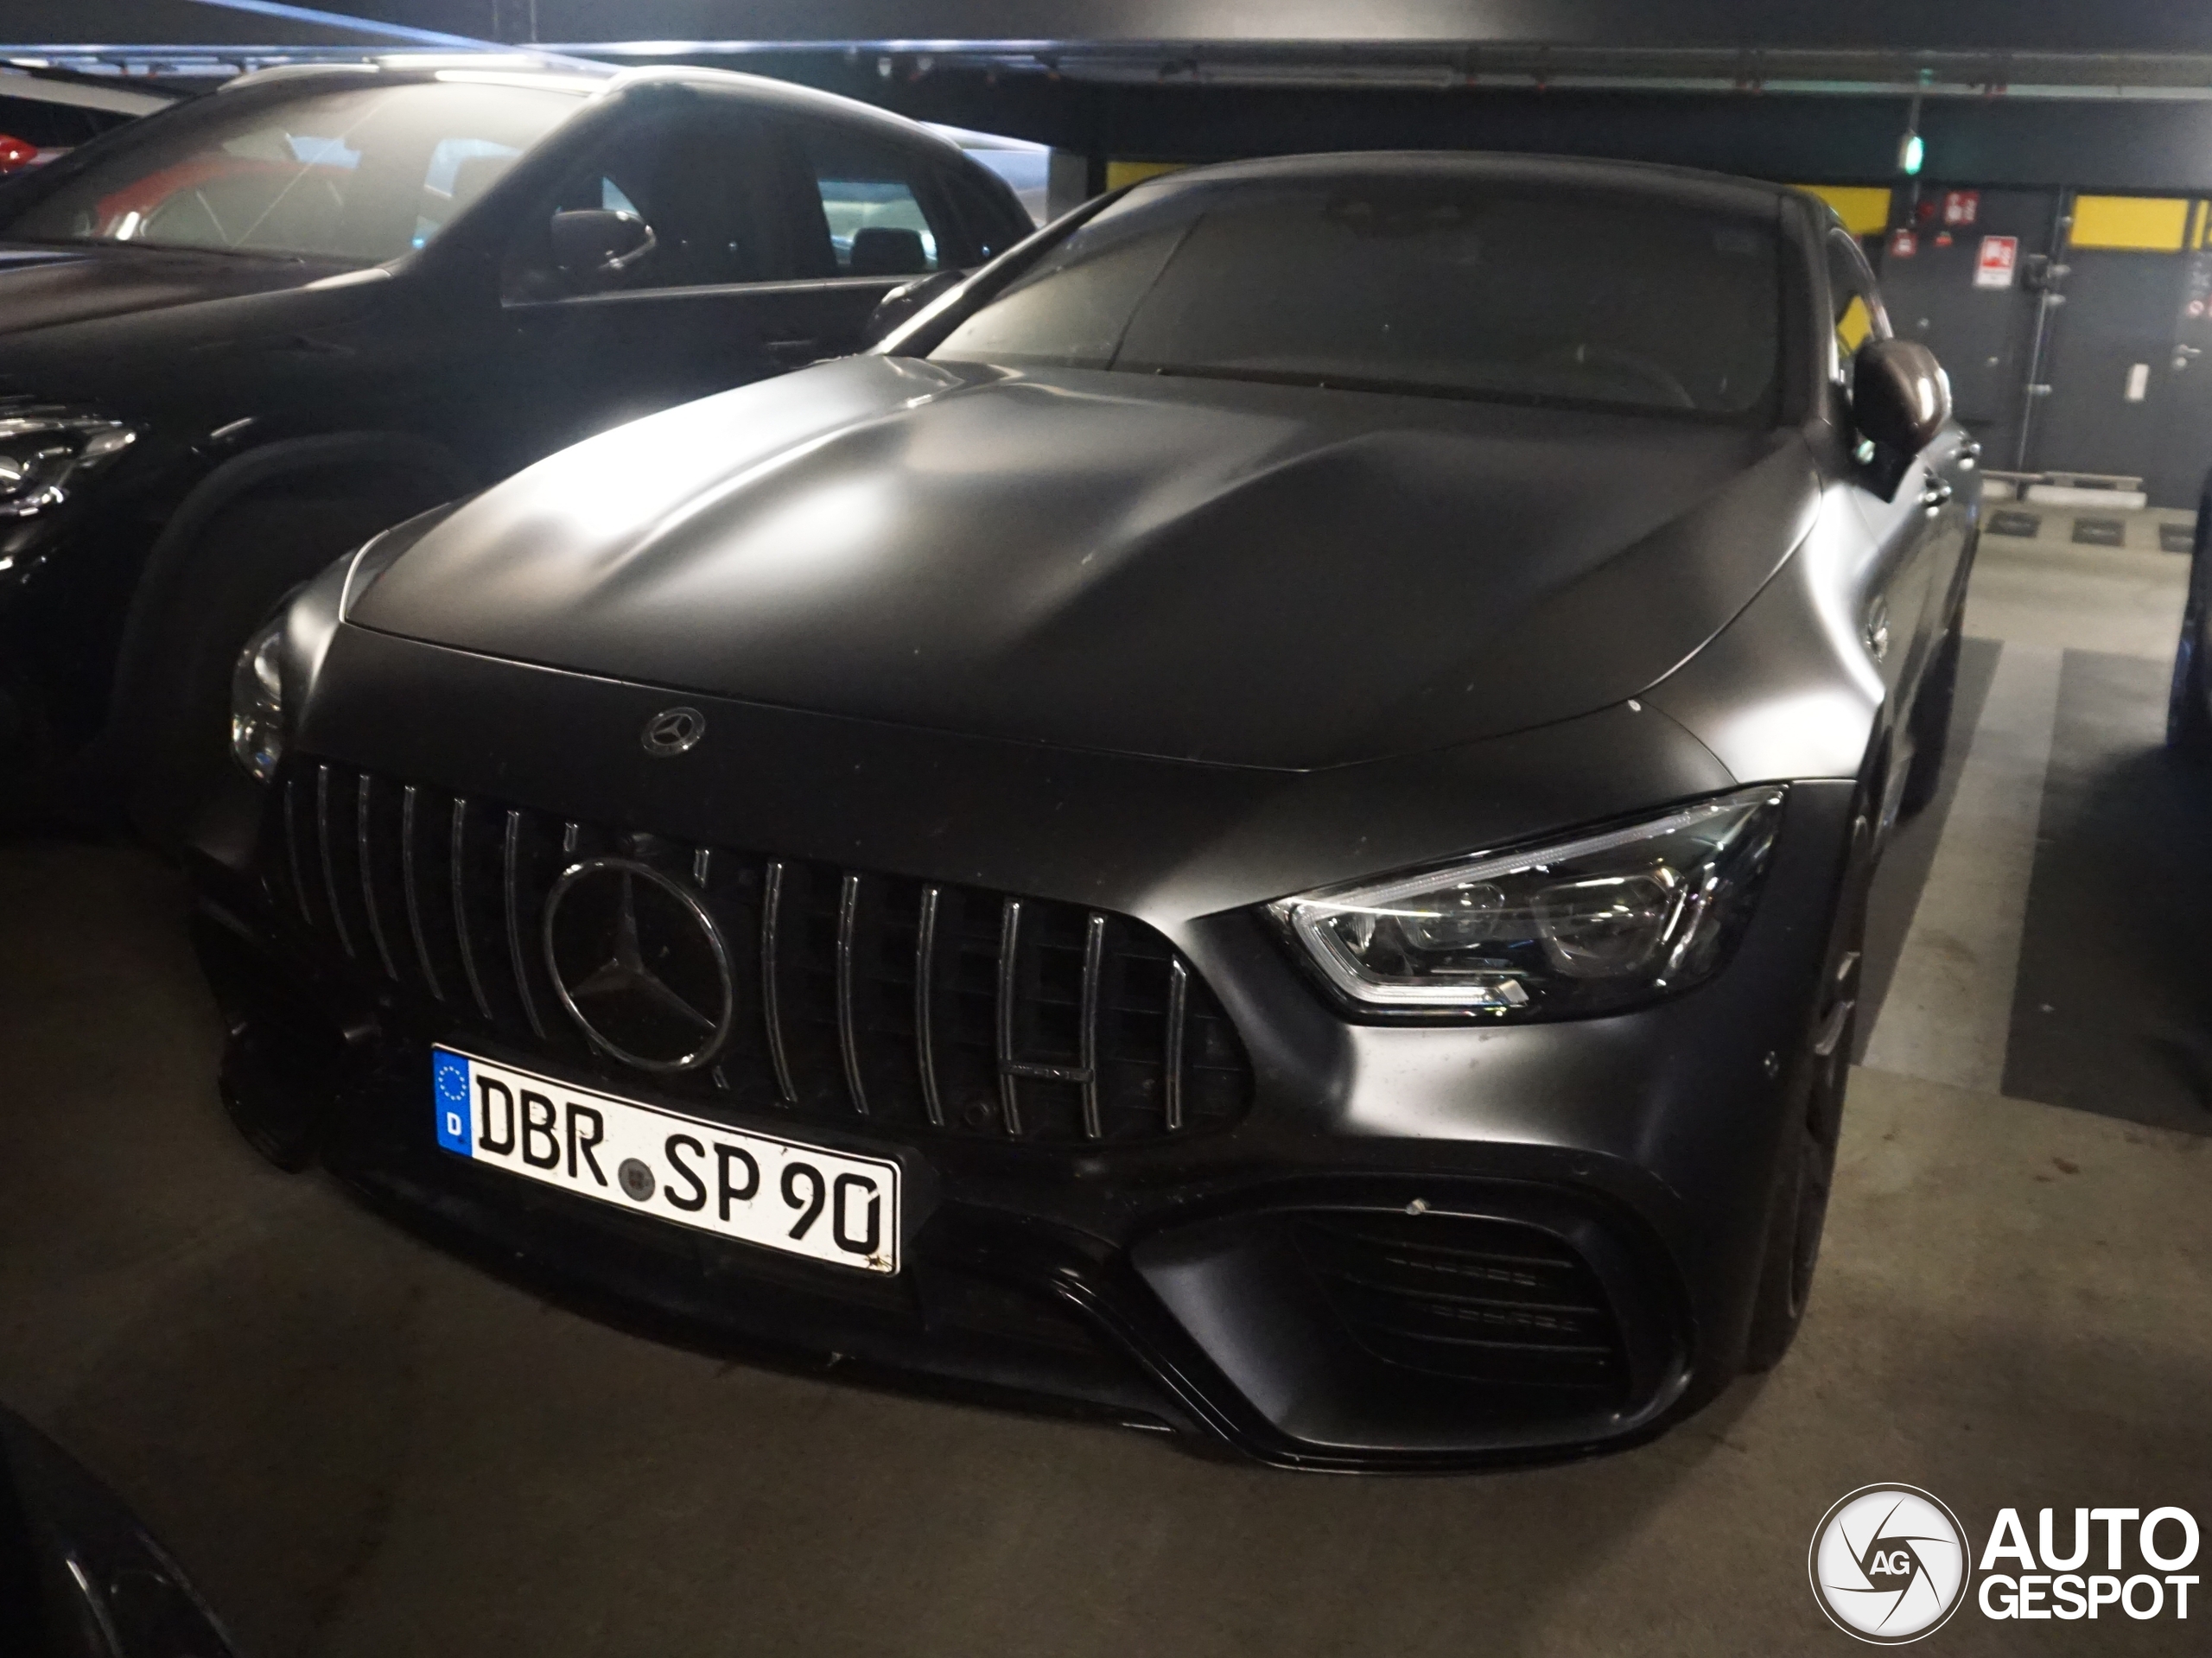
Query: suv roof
[{"x": 588, "y": 78}]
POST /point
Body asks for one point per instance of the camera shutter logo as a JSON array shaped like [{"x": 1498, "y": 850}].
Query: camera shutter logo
[{"x": 1888, "y": 1564}]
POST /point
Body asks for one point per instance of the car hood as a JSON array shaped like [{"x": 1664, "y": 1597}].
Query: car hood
[
  {"x": 1202, "y": 570},
  {"x": 43, "y": 287}
]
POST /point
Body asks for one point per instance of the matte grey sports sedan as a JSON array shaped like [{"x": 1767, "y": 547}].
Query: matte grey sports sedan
[{"x": 1259, "y": 821}]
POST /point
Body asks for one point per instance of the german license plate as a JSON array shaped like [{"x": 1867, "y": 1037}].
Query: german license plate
[{"x": 781, "y": 1194}]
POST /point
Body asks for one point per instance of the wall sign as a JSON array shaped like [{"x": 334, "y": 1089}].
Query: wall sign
[
  {"x": 1961, "y": 206},
  {"x": 2197, "y": 296},
  {"x": 1993, "y": 268},
  {"x": 1904, "y": 243}
]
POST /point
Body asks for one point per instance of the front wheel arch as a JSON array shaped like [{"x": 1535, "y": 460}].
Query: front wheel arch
[
  {"x": 364, "y": 458},
  {"x": 350, "y": 483}
]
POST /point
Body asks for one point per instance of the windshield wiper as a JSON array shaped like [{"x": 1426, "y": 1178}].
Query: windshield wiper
[
  {"x": 258, "y": 256},
  {"x": 1514, "y": 395},
  {"x": 1317, "y": 378}
]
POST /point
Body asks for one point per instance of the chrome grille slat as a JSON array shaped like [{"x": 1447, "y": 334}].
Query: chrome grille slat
[
  {"x": 1009, "y": 947},
  {"x": 411, "y": 881},
  {"x": 925, "y": 1010},
  {"x": 1093, "y": 956},
  {"x": 458, "y": 849},
  {"x": 849, "y": 905},
  {"x": 329, "y": 862},
  {"x": 1036, "y": 1021},
  {"x": 511, "y": 897},
  {"x": 292, "y": 848},
  {"x": 771, "y": 904},
  {"x": 362, "y": 805},
  {"x": 1179, "y": 1012}
]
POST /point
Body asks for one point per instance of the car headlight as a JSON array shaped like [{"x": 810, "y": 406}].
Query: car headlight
[
  {"x": 45, "y": 453},
  {"x": 257, "y": 703},
  {"x": 1581, "y": 926}
]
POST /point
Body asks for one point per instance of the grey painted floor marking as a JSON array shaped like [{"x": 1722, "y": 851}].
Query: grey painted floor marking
[
  {"x": 1948, "y": 1012},
  {"x": 1904, "y": 874},
  {"x": 2112, "y": 1011}
]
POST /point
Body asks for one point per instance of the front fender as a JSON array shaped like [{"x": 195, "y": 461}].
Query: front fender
[
  {"x": 164, "y": 583},
  {"x": 1788, "y": 690}
]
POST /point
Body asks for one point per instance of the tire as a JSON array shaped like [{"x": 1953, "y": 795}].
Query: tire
[
  {"x": 246, "y": 560},
  {"x": 1797, "y": 1214},
  {"x": 1931, "y": 720},
  {"x": 2188, "y": 721},
  {"x": 2189, "y": 702}
]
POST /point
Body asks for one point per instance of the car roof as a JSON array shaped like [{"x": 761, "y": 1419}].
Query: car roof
[
  {"x": 1689, "y": 186},
  {"x": 587, "y": 79}
]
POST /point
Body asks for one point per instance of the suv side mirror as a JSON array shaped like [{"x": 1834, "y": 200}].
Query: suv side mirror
[
  {"x": 1900, "y": 395},
  {"x": 908, "y": 300},
  {"x": 592, "y": 243}
]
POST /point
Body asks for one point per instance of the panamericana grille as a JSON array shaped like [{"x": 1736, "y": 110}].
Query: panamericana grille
[
  {"x": 859, "y": 996},
  {"x": 1480, "y": 1300}
]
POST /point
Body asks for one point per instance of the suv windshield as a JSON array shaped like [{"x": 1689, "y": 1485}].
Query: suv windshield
[
  {"x": 1408, "y": 282},
  {"x": 362, "y": 173}
]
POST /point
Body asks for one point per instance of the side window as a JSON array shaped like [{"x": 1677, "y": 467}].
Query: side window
[
  {"x": 460, "y": 170},
  {"x": 1857, "y": 304},
  {"x": 680, "y": 197},
  {"x": 882, "y": 212},
  {"x": 990, "y": 230}
]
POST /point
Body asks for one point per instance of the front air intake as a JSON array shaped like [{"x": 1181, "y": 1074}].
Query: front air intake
[{"x": 1478, "y": 1300}]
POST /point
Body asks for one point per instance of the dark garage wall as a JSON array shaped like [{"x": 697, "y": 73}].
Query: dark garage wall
[{"x": 2107, "y": 145}]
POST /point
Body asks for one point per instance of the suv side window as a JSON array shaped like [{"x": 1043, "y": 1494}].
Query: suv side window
[
  {"x": 1856, "y": 304},
  {"x": 678, "y": 197},
  {"x": 986, "y": 226},
  {"x": 877, "y": 208}
]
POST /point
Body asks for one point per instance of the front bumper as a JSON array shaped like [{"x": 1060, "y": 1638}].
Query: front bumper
[{"x": 1627, "y": 1162}]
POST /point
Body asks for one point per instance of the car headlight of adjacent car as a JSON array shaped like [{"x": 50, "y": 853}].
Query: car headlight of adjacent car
[
  {"x": 1594, "y": 924},
  {"x": 47, "y": 453},
  {"x": 258, "y": 702}
]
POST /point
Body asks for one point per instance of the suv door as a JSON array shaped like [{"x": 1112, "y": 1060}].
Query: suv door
[
  {"x": 727, "y": 265},
  {"x": 686, "y": 306},
  {"x": 870, "y": 213}
]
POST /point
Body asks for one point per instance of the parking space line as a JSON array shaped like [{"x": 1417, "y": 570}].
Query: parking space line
[{"x": 1948, "y": 1012}]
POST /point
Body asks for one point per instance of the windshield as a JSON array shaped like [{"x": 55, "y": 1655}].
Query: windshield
[
  {"x": 1399, "y": 281},
  {"x": 361, "y": 175}
]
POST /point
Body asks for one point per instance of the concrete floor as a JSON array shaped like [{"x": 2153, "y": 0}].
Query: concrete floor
[{"x": 361, "y": 1448}]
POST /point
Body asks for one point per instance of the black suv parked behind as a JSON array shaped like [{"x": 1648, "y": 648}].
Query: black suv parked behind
[{"x": 239, "y": 337}]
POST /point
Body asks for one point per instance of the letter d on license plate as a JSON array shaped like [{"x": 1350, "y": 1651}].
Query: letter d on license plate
[{"x": 781, "y": 1194}]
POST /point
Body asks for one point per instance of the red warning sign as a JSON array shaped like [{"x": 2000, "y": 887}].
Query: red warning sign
[
  {"x": 1993, "y": 268},
  {"x": 1903, "y": 244},
  {"x": 1961, "y": 206}
]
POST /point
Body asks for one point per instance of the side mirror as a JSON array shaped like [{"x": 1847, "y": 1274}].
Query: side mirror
[
  {"x": 594, "y": 242},
  {"x": 906, "y": 301},
  {"x": 1900, "y": 395}
]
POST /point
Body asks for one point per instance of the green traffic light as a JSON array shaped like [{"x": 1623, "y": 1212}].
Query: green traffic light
[{"x": 1910, "y": 155}]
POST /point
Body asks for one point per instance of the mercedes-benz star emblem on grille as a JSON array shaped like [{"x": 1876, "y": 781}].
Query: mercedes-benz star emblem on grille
[
  {"x": 674, "y": 730},
  {"x": 639, "y": 964}
]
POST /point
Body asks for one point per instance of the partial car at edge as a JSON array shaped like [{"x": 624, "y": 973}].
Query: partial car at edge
[{"x": 239, "y": 336}]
